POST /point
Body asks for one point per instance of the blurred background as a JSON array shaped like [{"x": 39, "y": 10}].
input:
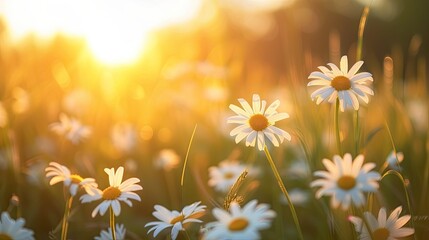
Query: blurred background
[{"x": 140, "y": 74}]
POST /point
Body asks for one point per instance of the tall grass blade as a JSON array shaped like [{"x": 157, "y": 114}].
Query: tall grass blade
[{"x": 187, "y": 155}]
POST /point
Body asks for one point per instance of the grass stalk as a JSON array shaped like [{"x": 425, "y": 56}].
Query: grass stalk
[
  {"x": 399, "y": 175},
  {"x": 425, "y": 178},
  {"x": 360, "y": 33},
  {"x": 112, "y": 222},
  {"x": 407, "y": 196},
  {"x": 187, "y": 155},
  {"x": 65, "y": 226},
  {"x": 283, "y": 189}
]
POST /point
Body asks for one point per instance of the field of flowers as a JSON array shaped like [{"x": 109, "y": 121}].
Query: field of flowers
[{"x": 223, "y": 129}]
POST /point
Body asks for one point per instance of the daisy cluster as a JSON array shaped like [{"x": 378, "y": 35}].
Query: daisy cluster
[{"x": 310, "y": 150}]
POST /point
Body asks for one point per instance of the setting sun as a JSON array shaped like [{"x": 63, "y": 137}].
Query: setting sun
[{"x": 115, "y": 31}]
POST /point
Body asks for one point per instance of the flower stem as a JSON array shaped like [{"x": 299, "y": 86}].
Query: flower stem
[
  {"x": 356, "y": 131},
  {"x": 283, "y": 188},
  {"x": 112, "y": 223},
  {"x": 66, "y": 218},
  {"x": 337, "y": 127},
  {"x": 187, "y": 235}
]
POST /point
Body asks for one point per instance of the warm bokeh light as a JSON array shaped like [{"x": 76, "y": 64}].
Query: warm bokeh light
[{"x": 115, "y": 31}]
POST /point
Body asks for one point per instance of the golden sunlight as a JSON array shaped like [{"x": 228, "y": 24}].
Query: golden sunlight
[{"x": 115, "y": 31}]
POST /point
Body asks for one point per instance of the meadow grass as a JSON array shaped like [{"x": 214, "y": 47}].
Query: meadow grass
[{"x": 58, "y": 104}]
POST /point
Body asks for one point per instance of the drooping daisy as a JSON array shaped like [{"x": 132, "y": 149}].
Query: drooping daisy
[
  {"x": 383, "y": 228},
  {"x": 346, "y": 181},
  {"x": 175, "y": 219},
  {"x": 240, "y": 223},
  {"x": 107, "y": 234},
  {"x": 346, "y": 85},
  {"x": 225, "y": 175},
  {"x": 11, "y": 229},
  {"x": 59, "y": 173},
  {"x": 71, "y": 128},
  {"x": 117, "y": 192},
  {"x": 393, "y": 160},
  {"x": 256, "y": 123}
]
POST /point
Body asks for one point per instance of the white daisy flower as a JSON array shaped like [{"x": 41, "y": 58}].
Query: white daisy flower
[
  {"x": 175, "y": 219},
  {"x": 346, "y": 85},
  {"x": 117, "y": 192},
  {"x": 11, "y": 229},
  {"x": 256, "y": 123},
  {"x": 240, "y": 223},
  {"x": 298, "y": 170},
  {"x": 297, "y": 197},
  {"x": 21, "y": 100},
  {"x": 77, "y": 101},
  {"x": 390, "y": 228},
  {"x": 107, "y": 234},
  {"x": 167, "y": 159},
  {"x": 124, "y": 137},
  {"x": 59, "y": 173},
  {"x": 71, "y": 128},
  {"x": 391, "y": 160},
  {"x": 346, "y": 181},
  {"x": 224, "y": 176}
]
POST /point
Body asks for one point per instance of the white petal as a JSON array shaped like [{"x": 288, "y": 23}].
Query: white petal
[
  {"x": 344, "y": 64},
  {"x": 256, "y": 103},
  {"x": 354, "y": 69},
  {"x": 245, "y": 105}
]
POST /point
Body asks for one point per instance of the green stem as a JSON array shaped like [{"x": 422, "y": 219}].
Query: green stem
[
  {"x": 66, "y": 218},
  {"x": 356, "y": 132},
  {"x": 337, "y": 127},
  {"x": 283, "y": 188},
  {"x": 360, "y": 33},
  {"x": 112, "y": 223},
  {"x": 187, "y": 235}
]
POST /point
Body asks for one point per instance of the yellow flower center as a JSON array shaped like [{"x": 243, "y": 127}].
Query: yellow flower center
[
  {"x": 4, "y": 236},
  {"x": 258, "y": 122},
  {"x": 341, "y": 83},
  {"x": 177, "y": 219},
  {"x": 76, "y": 178},
  {"x": 111, "y": 193},
  {"x": 380, "y": 234},
  {"x": 228, "y": 175},
  {"x": 346, "y": 182},
  {"x": 238, "y": 224}
]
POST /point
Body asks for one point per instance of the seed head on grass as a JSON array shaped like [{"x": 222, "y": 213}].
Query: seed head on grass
[
  {"x": 346, "y": 85},
  {"x": 390, "y": 228},
  {"x": 223, "y": 176},
  {"x": 256, "y": 123},
  {"x": 346, "y": 181}
]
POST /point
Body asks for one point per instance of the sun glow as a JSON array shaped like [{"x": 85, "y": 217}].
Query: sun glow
[{"x": 115, "y": 31}]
